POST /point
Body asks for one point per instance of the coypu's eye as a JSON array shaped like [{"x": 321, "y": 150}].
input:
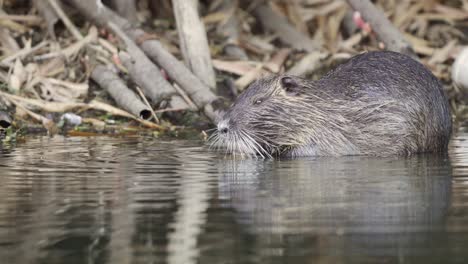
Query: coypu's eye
[
  {"x": 258, "y": 101},
  {"x": 289, "y": 84}
]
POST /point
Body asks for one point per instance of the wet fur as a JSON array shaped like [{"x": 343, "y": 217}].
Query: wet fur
[{"x": 377, "y": 103}]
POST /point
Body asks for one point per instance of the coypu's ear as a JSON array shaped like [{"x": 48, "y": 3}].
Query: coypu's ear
[{"x": 289, "y": 85}]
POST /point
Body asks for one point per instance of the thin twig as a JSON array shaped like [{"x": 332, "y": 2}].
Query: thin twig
[
  {"x": 24, "y": 52},
  {"x": 385, "y": 30},
  {"x": 170, "y": 110},
  {"x": 184, "y": 96},
  {"x": 22, "y": 18},
  {"x": 140, "y": 92},
  {"x": 70, "y": 26},
  {"x": 73, "y": 48}
]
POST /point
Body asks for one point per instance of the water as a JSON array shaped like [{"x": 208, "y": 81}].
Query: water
[{"x": 136, "y": 200}]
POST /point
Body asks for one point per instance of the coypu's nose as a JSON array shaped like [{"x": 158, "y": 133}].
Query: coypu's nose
[{"x": 223, "y": 127}]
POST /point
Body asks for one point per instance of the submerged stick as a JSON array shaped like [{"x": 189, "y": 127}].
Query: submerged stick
[{"x": 125, "y": 98}]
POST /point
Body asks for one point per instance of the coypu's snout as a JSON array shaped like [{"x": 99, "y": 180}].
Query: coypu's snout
[{"x": 224, "y": 127}]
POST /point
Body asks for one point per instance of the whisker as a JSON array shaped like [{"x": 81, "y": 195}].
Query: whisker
[
  {"x": 211, "y": 129},
  {"x": 254, "y": 145}
]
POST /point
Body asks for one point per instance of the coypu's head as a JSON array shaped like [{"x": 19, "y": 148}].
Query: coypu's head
[{"x": 267, "y": 119}]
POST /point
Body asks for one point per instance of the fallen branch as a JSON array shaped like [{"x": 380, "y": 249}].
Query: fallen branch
[
  {"x": 149, "y": 78},
  {"x": 126, "y": 9},
  {"x": 124, "y": 98},
  {"x": 193, "y": 40},
  {"x": 9, "y": 44},
  {"x": 73, "y": 48},
  {"x": 384, "y": 29},
  {"x": 32, "y": 19},
  {"x": 229, "y": 27},
  {"x": 66, "y": 21},
  {"x": 242, "y": 82},
  {"x": 11, "y": 24},
  {"x": 275, "y": 64},
  {"x": 47, "y": 123},
  {"x": 235, "y": 67},
  {"x": 56, "y": 107},
  {"x": 97, "y": 105},
  {"x": 200, "y": 93},
  {"x": 143, "y": 97},
  {"x": 50, "y": 16},
  {"x": 142, "y": 70},
  {"x": 53, "y": 107},
  {"x": 22, "y": 53},
  {"x": 309, "y": 63},
  {"x": 287, "y": 33},
  {"x": 5, "y": 120}
]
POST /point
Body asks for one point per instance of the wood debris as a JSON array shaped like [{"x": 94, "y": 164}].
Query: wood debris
[{"x": 179, "y": 56}]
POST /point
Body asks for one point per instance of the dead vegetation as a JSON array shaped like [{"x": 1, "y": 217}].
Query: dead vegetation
[{"x": 160, "y": 63}]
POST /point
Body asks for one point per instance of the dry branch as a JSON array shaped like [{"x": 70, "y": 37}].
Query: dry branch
[
  {"x": 230, "y": 29},
  {"x": 47, "y": 123},
  {"x": 151, "y": 82},
  {"x": 22, "y": 53},
  {"x": 28, "y": 19},
  {"x": 287, "y": 33},
  {"x": 125, "y": 98},
  {"x": 143, "y": 71},
  {"x": 200, "y": 94},
  {"x": 97, "y": 105},
  {"x": 307, "y": 64},
  {"x": 53, "y": 107},
  {"x": 73, "y": 48},
  {"x": 51, "y": 18},
  {"x": 10, "y": 24},
  {"x": 5, "y": 120},
  {"x": 8, "y": 43},
  {"x": 143, "y": 97},
  {"x": 57, "y": 107},
  {"x": 146, "y": 74},
  {"x": 70, "y": 26},
  {"x": 385, "y": 30},
  {"x": 193, "y": 40},
  {"x": 126, "y": 9}
]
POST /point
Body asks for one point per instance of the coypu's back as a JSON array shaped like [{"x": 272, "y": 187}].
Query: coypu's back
[{"x": 377, "y": 103}]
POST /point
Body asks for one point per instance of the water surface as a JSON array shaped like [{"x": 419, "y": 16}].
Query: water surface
[{"x": 137, "y": 200}]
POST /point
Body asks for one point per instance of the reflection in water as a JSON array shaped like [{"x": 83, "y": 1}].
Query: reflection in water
[
  {"x": 132, "y": 200},
  {"x": 349, "y": 206}
]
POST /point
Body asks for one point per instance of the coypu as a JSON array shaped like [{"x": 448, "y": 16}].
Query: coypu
[{"x": 378, "y": 103}]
